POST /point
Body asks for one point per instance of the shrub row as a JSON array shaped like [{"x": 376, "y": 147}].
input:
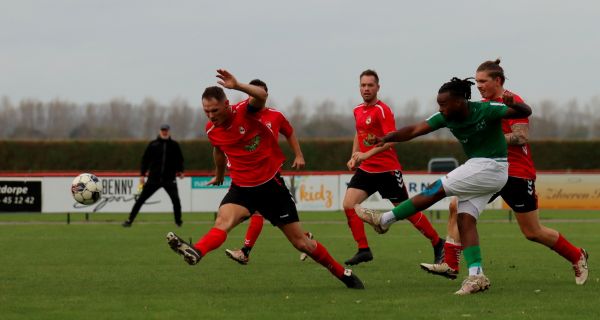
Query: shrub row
[{"x": 320, "y": 154}]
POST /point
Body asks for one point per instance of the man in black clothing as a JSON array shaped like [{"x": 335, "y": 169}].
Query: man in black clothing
[{"x": 162, "y": 161}]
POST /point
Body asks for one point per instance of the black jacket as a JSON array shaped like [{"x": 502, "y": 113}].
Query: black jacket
[{"x": 162, "y": 160}]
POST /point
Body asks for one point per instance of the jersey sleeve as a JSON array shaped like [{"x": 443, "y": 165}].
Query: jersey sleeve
[
  {"x": 388, "y": 122},
  {"x": 286, "y": 128},
  {"x": 436, "y": 121},
  {"x": 496, "y": 110}
]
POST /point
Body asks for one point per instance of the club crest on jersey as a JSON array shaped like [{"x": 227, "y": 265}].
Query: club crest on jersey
[
  {"x": 253, "y": 145},
  {"x": 242, "y": 130},
  {"x": 368, "y": 121},
  {"x": 268, "y": 124}
]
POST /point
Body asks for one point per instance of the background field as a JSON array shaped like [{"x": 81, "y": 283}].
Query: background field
[{"x": 98, "y": 270}]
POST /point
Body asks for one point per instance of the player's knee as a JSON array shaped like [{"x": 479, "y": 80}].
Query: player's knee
[
  {"x": 532, "y": 235},
  {"x": 347, "y": 204},
  {"x": 303, "y": 245},
  {"x": 453, "y": 207}
]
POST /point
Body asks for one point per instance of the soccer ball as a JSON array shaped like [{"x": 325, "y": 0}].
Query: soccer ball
[{"x": 86, "y": 188}]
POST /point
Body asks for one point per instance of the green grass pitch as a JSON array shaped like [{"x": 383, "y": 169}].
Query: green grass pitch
[{"x": 98, "y": 270}]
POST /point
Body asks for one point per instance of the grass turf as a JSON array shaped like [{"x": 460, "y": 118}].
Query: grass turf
[{"x": 100, "y": 270}]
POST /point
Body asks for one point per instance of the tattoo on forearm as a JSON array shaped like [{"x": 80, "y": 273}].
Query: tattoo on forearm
[{"x": 519, "y": 135}]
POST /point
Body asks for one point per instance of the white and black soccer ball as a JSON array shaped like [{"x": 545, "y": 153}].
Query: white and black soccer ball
[{"x": 86, "y": 188}]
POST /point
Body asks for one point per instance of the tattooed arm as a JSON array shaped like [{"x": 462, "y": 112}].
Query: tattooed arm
[{"x": 519, "y": 135}]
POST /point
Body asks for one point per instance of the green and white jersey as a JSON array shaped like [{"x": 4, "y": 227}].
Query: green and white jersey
[{"x": 481, "y": 132}]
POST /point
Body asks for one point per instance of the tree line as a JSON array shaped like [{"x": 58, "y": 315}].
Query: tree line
[{"x": 120, "y": 119}]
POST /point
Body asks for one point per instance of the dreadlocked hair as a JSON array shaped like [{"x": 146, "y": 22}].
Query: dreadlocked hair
[
  {"x": 458, "y": 88},
  {"x": 493, "y": 69}
]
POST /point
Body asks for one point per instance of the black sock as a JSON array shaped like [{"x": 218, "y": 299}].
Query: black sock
[
  {"x": 367, "y": 249},
  {"x": 246, "y": 250}
]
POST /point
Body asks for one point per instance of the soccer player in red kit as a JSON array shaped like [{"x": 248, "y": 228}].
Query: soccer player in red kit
[
  {"x": 377, "y": 169},
  {"x": 278, "y": 123},
  {"x": 250, "y": 151},
  {"x": 519, "y": 191}
]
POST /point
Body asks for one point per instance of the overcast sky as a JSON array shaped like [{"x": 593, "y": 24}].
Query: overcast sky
[{"x": 92, "y": 51}]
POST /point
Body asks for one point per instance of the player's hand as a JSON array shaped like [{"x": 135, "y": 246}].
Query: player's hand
[
  {"x": 298, "y": 163},
  {"x": 351, "y": 164},
  {"x": 508, "y": 98},
  {"x": 215, "y": 181},
  {"x": 180, "y": 175},
  {"x": 359, "y": 157},
  {"x": 227, "y": 79},
  {"x": 374, "y": 140},
  {"x": 142, "y": 180}
]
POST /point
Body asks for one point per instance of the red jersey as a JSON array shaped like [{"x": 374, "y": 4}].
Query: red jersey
[
  {"x": 276, "y": 121},
  {"x": 520, "y": 163},
  {"x": 376, "y": 120},
  {"x": 253, "y": 155}
]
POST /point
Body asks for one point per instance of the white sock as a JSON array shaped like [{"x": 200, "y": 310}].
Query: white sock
[
  {"x": 475, "y": 270},
  {"x": 387, "y": 218}
]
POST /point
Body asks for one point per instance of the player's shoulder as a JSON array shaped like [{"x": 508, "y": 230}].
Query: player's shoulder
[
  {"x": 517, "y": 97},
  {"x": 241, "y": 104},
  {"x": 359, "y": 106}
]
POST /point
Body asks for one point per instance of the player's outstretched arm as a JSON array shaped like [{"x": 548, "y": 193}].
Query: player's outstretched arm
[
  {"x": 406, "y": 133},
  {"x": 299, "y": 162},
  {"x": 230, "y": 82},
  {"x": 515, "y": 110}
]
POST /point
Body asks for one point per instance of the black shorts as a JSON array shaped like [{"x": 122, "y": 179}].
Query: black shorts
[
  {"x": 271, "y": 199},
  {"x": 519, "y": 194},
  {"x": 390, "y": 184}
]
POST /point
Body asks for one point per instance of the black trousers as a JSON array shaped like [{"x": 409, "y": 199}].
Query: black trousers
[{"x": 149, "y": 189}]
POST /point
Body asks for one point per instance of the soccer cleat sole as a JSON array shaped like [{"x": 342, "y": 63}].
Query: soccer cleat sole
[
  {"x": 229, "y": 253},
  {"x": 445, "y": 274}
]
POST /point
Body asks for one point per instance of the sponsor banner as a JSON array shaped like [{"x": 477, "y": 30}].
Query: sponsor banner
[
  {"x": 20, "y": 196},
  {"x": 202, "y": 183},
  {"x": 415, "y": 184},
  {"x": 118, "y": 195},
  {"x": 315, "y": 193},
  {"x": 205, "y": 198},
  {"x": 568, "y": 191}
]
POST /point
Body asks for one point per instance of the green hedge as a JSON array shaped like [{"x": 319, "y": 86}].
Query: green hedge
[{"x": 320, "y": 154}]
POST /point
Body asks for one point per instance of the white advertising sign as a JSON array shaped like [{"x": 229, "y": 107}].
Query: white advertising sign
[
  {"x": 315, "y": 193},
  {"x": 118, "y": 195}
]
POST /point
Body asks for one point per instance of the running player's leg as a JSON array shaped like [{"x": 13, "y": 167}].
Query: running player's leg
[
  {"x": 255, "y": 226},
  {"x": 319, "y": 253},
  {"x": 229, "y": 216},
  {"x": 353, "y": 197},
  {"x": 520, "y": 195},
  {"x": 452, "y": 247}
]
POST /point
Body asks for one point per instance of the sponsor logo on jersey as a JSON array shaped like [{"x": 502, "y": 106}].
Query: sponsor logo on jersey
[{"x": 253, "y": 145}]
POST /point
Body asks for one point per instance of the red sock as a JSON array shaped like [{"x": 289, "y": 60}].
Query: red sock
[
  {"x": 420, "y": 221},
  {"x": 323, "y": 257},
  {"x": 452, "y": 254},
  {"x": 357, "y": 227},
  {"x": 566, "y": 249},
  {"x": 211, "y": 240},
  {"x": 254, "y": 229}
]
